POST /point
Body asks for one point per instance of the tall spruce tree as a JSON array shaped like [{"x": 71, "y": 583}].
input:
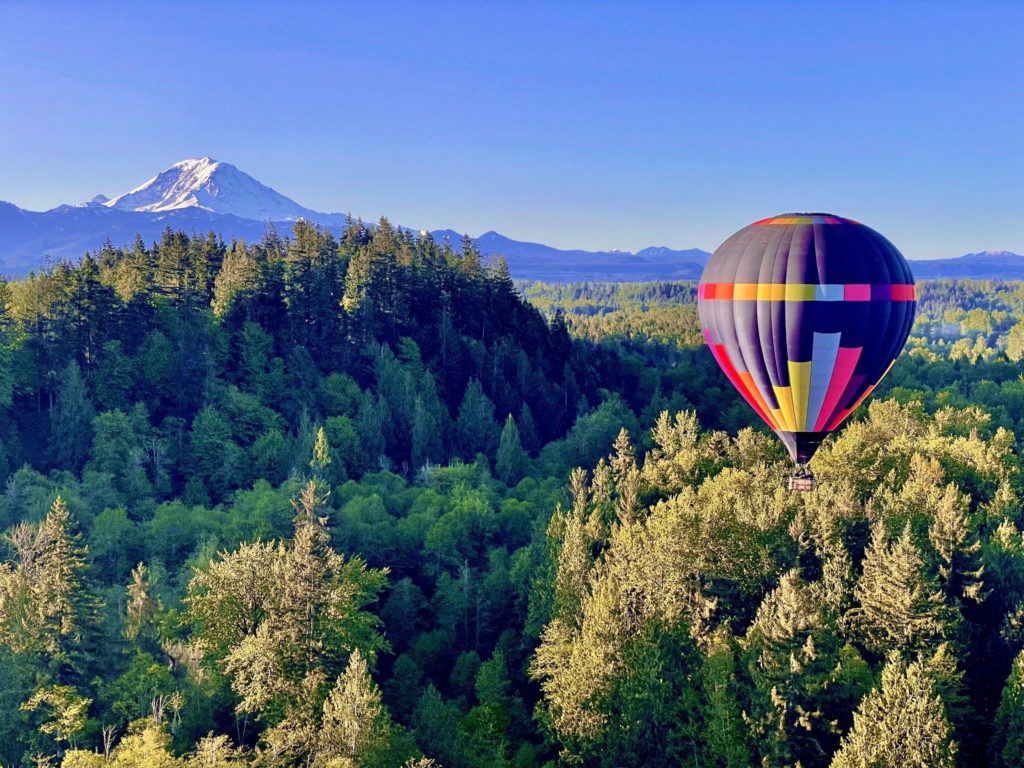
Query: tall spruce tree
[
  {"x": 901, "y": 723},
  {"x": 899, "y": 606},
  {"x": 511, "y": 460},
  {"x": 1007, "y": 748},
  {"x": 71, "y": 420},
  {"x": 477, "y": 431}
]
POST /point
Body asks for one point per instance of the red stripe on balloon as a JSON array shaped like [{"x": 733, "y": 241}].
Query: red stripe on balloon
[
  {"x": 722, "y": 357},
  {"x": 846, "y": 361},
  {"x": 847, "y": 411}
]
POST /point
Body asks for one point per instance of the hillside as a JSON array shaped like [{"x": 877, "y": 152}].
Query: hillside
[{"x": 247, "y": 485}]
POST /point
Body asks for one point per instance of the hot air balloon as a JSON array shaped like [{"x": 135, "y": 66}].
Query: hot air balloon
[{"x": 806, "y": 313}]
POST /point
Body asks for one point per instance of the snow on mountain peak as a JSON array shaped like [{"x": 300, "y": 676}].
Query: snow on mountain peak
[{"x": 212, "y": 186}]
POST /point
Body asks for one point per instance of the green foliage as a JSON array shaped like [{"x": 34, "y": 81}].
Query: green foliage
[
  {"x": 1008, "y": 737},
  {"x": 477, "y": 431},
  {"x": 901, "y": 723},
  {"x": 70, "y": 420},
  {"x": 64, "y": 708},
  {"x": 674, "y": 604},
  {"x": 898, "y": 607},
  {"x": 44, "y": 600},
  {"x": 512, "y": 460}
]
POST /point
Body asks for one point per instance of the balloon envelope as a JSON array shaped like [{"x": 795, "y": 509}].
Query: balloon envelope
[{"x": 805, "y": 313}]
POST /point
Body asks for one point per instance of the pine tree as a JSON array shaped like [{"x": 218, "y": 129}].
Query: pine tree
[
  {"x": 427, "y": 446},
  {"x": 355, "y": 722},
  {"x": 798, "y": 676},
  {"x": 113, "y": 377},
  {"x": 528, "y": 434},
  {"x": 899, "y": 607},
  {"x": 726, "y": 737},
  {"x": 44, "y": 601},
  {"x": 511, "y": 459},
  {"x": 370, "y": 426},
  {"x": 237, "y": 276},
  {"x": 1007, "y": 747},
  {"x": 626, "y": 476},
  {"x": 143, "y": 610},
  {"x": 215, "y": 752},
  {"x": 321, "y": 455},
  {"x": 475, "y": 425},
  {"x": 902, "y": 723},
  {"x": 6, "y": 372},
  {"x": 213, "y": 454},
  {"x": 283, "y": 621},
  {"x": 71, "y": 421}
]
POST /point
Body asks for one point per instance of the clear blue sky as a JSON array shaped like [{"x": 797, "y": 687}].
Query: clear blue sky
[{"x": 594, "y": 125}]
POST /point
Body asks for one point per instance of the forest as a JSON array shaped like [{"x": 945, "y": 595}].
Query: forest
[{"x": 367, "y": 502}]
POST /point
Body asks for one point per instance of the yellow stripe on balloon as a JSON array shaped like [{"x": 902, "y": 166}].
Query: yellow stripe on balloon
[
  {"x": 771, "y": 291},
  {"x": 785, "y": 397},
  {"x": 800, "y": 292},
  {"x": 745, "y": 291},
  {"x": 800, "y": 382}
]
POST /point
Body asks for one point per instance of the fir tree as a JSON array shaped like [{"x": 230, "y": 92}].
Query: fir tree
[
  {"x": 355, "y": 723},
  {"x": 142, "y": 611},
  {"x": 1007, "y": 749},
  {"x": 511, "y": 461},
  {"x": 45, "y": 603},
  {"x": 71, "y": 420},
  {"x": 321, "y": 454},
  {"x": 475, "y": 425},
  {"x": 899, "y": 607},
  {"x": 901, "y": 723}
]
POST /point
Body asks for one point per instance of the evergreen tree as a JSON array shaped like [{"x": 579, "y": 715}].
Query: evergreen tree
[
  {"x": 802, "y": 682},
  {"x": 1007, "y": 747},
  {"x": 370, "y": 426},
  {"x": 214, "y": 456},
  {"x": 528, "y": 434},
  {"x": 901, "y": 723},
  {"x": 113, "y": 378},
  {"x": 70, "y": 420},
  {"x": 45, "y": 603},
  {"x": 726, "y": 734},
  {"x": 355, "y": 723},
  {"x": 475, "y": 425},
  {"x": 6, "y": 327},
  {"x": 283, "y": 637},
  {"x": 427, "y": 445},
  {"x": 899, "y": 607},
  {"x": 321, "y": 454},
  {"x": 511, "y": 460},
  {"x": 142, "y": 611}
]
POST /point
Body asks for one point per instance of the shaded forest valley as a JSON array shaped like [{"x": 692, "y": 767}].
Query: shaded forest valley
[{"x": 368, "y": 502}]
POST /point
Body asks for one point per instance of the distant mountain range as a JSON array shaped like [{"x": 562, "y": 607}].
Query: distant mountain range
[{"x": 202, "y": 194}]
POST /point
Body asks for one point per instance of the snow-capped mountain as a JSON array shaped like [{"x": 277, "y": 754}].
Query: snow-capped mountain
[
  {"x": 212, "y": 186},
  {"x": 203, "y": 195}
]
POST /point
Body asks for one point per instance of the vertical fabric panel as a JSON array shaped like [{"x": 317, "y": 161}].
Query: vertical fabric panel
[{"x": 823, "y": 363}]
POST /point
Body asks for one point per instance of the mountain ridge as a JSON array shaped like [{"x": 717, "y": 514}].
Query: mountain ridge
[{"x": 203, "y": 194}]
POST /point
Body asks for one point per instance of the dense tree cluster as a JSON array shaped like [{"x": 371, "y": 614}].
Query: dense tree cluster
[{"x": 316, "y": 501}]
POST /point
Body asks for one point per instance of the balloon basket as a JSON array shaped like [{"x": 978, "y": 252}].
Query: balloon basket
[{"x": 802, "y": 480}]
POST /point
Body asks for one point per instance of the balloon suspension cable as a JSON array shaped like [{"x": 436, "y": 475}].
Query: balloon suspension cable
[{"x": 802, "y": 479}]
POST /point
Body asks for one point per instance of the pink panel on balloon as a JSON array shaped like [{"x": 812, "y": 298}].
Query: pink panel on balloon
[
  {"x": 846, "y": 360},
  {"x": 857, "y": 292}
]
